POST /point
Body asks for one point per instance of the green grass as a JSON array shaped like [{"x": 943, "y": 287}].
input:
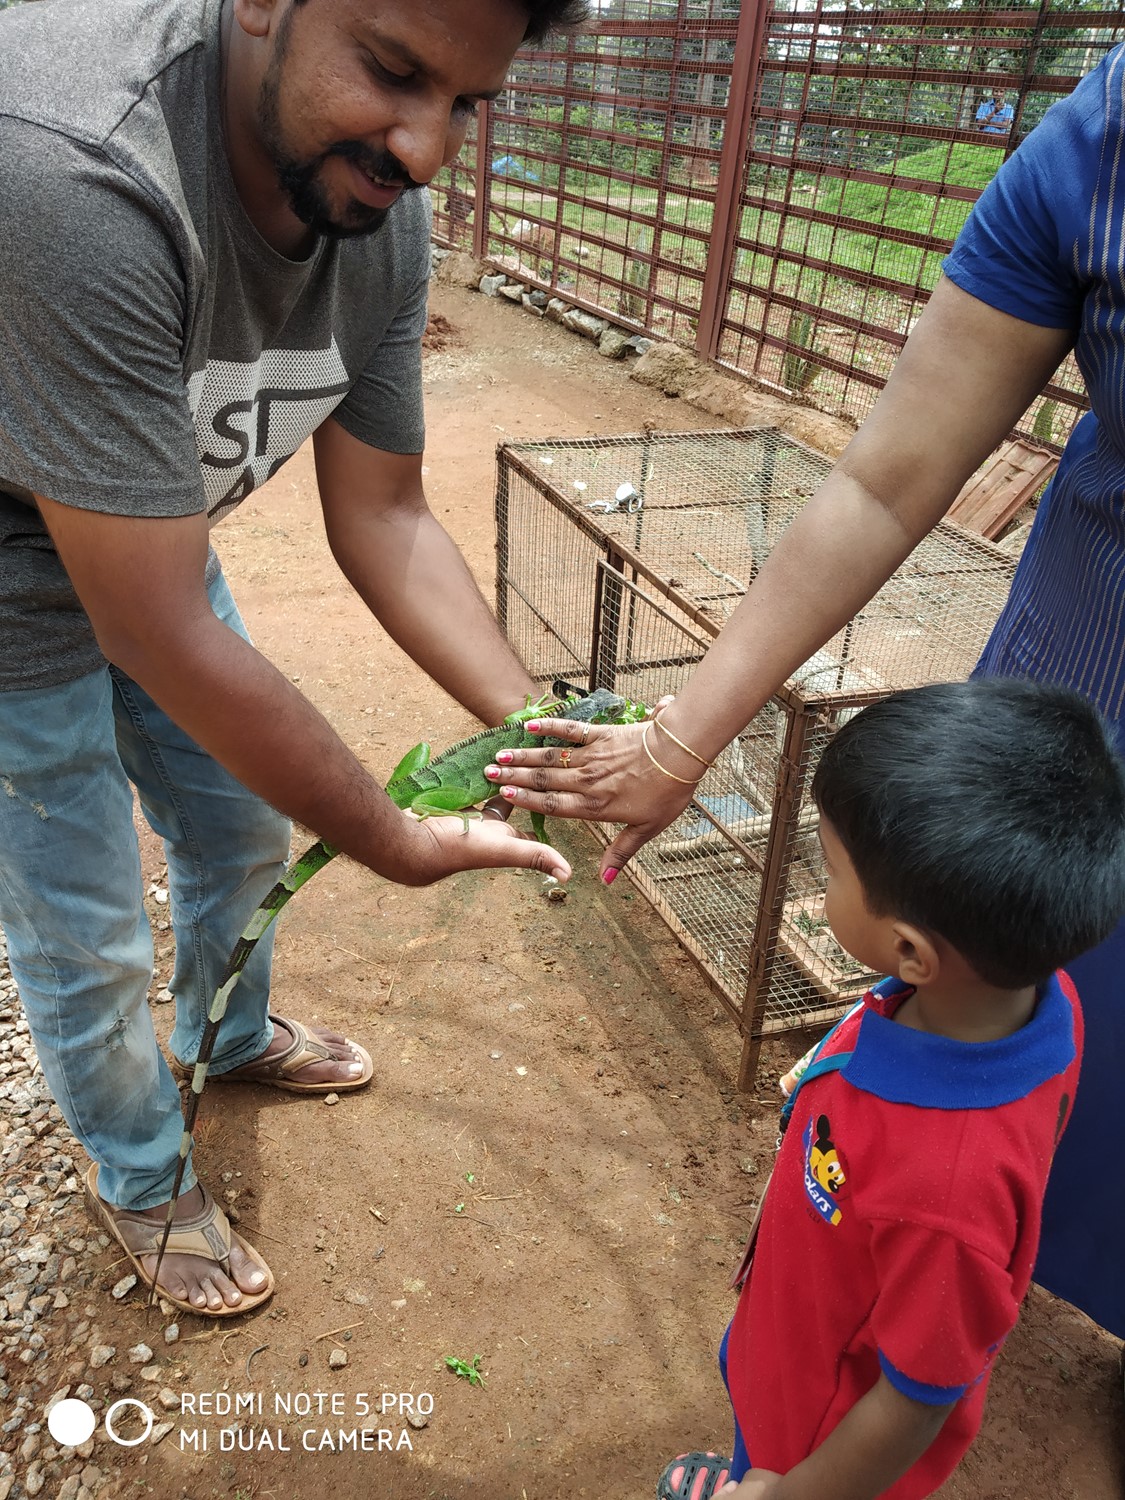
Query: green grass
[{"x": 782, "y": 239}]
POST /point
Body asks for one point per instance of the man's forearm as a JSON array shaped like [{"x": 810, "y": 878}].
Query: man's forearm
[
  {"x": 409, "y": 572},
  {"x": 242, "y": 711}
]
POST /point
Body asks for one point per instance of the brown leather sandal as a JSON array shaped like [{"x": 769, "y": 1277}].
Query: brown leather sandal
[
  {"x": 207, "y": 1234},
  {"x": 277, "y": 1071}
]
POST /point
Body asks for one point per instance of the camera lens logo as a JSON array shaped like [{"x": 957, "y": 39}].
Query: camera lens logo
[{"x": 71, "y": 1422}]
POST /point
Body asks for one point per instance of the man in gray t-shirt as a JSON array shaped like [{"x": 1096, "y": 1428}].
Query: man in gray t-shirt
[{"x": 212, "y": 247}]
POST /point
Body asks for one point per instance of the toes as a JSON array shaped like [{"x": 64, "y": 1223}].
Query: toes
[{"x": 246, "y": 1273}]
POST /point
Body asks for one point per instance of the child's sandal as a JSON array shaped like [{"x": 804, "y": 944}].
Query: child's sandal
[{"x": 693, "y": 1476}]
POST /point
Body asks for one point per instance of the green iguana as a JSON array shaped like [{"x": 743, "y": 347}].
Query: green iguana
[
  {"x": 455, "y": 781},
  {"x": 450, "y": 784}
]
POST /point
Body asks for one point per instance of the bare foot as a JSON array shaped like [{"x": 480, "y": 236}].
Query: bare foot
[{"x": 190, "y": 1278}]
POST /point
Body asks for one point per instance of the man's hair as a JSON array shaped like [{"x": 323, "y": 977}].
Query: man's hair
[
  {"x": 545, "y": 17},
  {"x": 990, "y": 812}
]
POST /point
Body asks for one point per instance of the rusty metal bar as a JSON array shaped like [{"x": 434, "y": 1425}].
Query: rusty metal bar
[{"x": 736, "y": 144}]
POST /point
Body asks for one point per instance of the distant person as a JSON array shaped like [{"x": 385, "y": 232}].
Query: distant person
[
  {"x": 899, "y": 1228},
  {"x": 994, "y": 116}
]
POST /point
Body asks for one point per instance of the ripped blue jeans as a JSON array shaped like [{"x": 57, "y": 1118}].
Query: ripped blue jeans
[{"x": 79, "y": 944}]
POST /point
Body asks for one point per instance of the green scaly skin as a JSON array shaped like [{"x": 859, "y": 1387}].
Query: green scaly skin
[
  {"x": 455, "y": 782},
  {"x": 452, "y": 783}
]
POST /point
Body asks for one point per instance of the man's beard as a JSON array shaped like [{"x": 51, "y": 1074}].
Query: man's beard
[
  {"x": 308, "y": 200},
  {"x": 301, "y": 181}
]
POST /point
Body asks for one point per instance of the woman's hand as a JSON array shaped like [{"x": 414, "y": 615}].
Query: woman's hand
[{"x": 603, "y": 774}]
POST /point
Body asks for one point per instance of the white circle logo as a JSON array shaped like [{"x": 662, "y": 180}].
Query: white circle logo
[
  {"x": 71, "y": 1422},
  {"x": 141, "y": 1407}
]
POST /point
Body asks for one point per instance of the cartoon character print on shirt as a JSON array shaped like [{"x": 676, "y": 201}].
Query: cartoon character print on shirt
[{"x": 824, "y": 1170}]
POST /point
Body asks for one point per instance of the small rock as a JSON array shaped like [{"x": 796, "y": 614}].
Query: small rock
[
  {"x": 140, "y": 1354},
  {"x": 152, "y": 1373},
  {"x": 416, "y": 1419},
  {"x": 490, "y": 285},
  {"x": 337, "y": 1359},
  {"x": 164, "y": 996},
  {"x": 513, "y": 291},
  {"x": 124, "y": 1287},
  {"x": 100, "y": 1355},
  {"x": 331, "y": 1098},
  {"x": 171, "y": 1333},
  {"x": 69, "y": 1488},
  {"x": 30, "y": 1447},
  {"x": 584, "y": 323},
  {"x": 34, "y": 1479},
  {"x": 613, "y": 343},
  {"x": 161, "y": 1431},
  {"x": 169, "y": 1399}
]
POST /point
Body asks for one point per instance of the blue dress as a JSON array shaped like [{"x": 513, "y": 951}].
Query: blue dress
[{"x": 1046, "y": 243}]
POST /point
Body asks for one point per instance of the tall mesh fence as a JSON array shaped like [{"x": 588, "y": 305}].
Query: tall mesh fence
[
  {"x": 619, "y": 560},
  {"x": 773, "y": 185}
]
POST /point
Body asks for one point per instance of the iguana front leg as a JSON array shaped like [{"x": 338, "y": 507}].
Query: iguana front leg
[
  {"x": 444, "y": 801},
  {"x": 529, "y": 710}
]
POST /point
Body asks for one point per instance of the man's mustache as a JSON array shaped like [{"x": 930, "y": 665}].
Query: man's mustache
[{"x": 381, "y": 164}]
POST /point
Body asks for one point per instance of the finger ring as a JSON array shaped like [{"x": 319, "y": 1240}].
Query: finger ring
[
  {"x": 564, "y": 757},
  {"x": 585, "y": 733}
]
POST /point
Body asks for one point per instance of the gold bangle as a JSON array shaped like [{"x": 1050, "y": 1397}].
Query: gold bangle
[
  {"x": 686, "y": 748},
  {"x": 663, "y": 769}
]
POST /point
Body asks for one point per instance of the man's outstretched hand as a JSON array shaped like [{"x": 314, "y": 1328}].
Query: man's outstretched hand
[{"x": 433, "y": 848}]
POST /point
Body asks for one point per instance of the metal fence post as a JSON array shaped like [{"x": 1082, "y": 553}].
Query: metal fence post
[
  {"x": 732, "y": 164},
  {"x": 483, "y": 173}
]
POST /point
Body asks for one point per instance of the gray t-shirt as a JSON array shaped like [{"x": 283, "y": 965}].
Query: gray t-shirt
[{"x": 157, "y": 357}]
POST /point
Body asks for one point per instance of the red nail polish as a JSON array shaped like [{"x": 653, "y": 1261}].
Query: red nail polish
[
  {"x": 508, "y": 791},
  {"x": 503, "y": 757},
  {"x": 609, "y": 877},
  {"x": 532, "y": 726}
]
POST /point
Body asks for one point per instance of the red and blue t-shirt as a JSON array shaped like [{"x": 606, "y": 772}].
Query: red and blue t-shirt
[{"x": 900, "y": 1228}]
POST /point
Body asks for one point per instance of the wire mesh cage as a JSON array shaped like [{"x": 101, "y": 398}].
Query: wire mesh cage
[{"x": 619, "y": 560}]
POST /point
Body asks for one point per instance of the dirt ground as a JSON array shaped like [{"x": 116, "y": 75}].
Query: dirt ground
[{"x": 552, "y": 1170}]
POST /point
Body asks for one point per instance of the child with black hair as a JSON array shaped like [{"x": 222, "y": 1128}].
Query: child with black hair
[{"x": 974, "y": 838}]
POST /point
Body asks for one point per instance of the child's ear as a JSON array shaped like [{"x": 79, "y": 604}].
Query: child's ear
[{"x": 918, "y": 960}]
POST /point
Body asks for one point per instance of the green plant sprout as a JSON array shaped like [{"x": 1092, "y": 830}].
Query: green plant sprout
[{"x": 464, "y": 1370}]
